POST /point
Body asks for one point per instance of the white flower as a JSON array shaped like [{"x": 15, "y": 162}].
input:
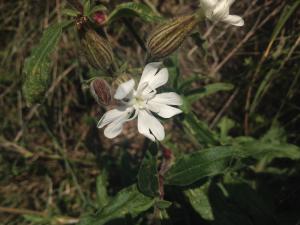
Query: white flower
[
  {"x": 140, "y": 102},
  {"x": 218, "y": 10}
]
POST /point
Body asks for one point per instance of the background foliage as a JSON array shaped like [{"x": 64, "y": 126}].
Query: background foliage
[{"x": 231, "y": 158}]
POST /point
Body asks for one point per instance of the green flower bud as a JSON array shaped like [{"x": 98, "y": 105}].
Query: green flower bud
[
  {"x": 97, "y": 50},
  {"x": 101, "y": 91},
  {"x": 167, "y": 37}
]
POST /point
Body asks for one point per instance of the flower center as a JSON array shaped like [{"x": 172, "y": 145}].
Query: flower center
[{"x": 139, "y": 102}]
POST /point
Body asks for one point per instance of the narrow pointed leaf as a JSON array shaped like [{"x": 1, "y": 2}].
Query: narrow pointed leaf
[
  {"x": 205, "y": 163},
  {"x": 37, "y": 66},
  {"x": 219, "y": 160},
  {"x": 207, "y": 90}
]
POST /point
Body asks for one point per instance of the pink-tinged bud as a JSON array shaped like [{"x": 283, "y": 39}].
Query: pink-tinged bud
[
  {"x": 100, "y": 18},
  {"x": 101, "y": 91}
]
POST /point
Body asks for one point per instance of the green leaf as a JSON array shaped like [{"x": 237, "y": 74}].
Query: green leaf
[
  {"x": 274, "y": 135},
  {"x": 225, "y": 125},
  {"x": 86, "y": 7},
  {"x": 148, "y": 176},
  {"x": 269, "y": 151},
  {"x": 186, "y": 83},
  {"x": 199, "y": 130},
  {"x": 101, "y": 187},
  {"x": 198, "y": 197},
  {"x": 162, "y": 204},
  {"x": 207, "y": 90},
  {"x": 127, "y": 201},
  {"x": 130, "y": 9},
  {"x": 219, "y": 160},
  {"x": 37, "y": 66},
  {"x": 205, "y": 163},
  {"x": 70, "y": 12}
]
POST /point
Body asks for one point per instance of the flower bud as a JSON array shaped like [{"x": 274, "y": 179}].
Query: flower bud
[
  {"x": 101, "y": 91},
  {"x": 100, "y": 18},
  {"x": 167, "y": 37},
  {"x": 97, "y": 50}
]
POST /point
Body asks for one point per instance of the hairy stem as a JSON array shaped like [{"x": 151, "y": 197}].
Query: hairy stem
[{"x": 134, "y": 33}]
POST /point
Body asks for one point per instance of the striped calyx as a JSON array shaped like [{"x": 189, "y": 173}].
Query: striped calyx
[
  {"x": 97, "y": 50},
  {"x": 101, "y": 91},
  {"x": 167, "y": 37}
]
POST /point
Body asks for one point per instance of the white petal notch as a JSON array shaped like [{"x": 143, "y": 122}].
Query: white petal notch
[
  {"x": 218, "y": 10},
  {"x": 141, "y": 103}
]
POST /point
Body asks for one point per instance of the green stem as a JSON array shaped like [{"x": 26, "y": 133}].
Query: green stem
[{"x": 134, "y": 33}]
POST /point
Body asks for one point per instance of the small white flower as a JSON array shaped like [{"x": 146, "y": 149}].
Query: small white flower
[
  {"x": 218, "y": 10},
  {"x": 140, "y": 102}
]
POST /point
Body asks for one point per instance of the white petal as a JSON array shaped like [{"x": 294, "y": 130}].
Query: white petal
[
  {"x": 149, "y": 71},
  {"x": 221, "y": 10},
  {"x": 158, "y": 80},
  {"x": 111, "y": 116},
  {"x": 163, "y": 110},
  {"x": 234, "y": 20},
  {"x": 147, "y": 122},
  {"x": 208, "y": 4},
  {"x": 113, "y": 129},
  {"x": 169, "y": 98},
  {"x": 124, "y": 89},
  {"x": 116, "y": 126}
]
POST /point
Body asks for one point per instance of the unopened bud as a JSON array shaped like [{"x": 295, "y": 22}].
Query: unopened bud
[
  {"x": 97, "y": 50},
  {"x": 101, "y": 91},
  {"x": 167, "y": 38},
  {"x": 100, "y": 18}
]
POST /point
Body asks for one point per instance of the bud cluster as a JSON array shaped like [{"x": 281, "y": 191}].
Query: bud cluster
[{"x": 165, "y": 39}]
